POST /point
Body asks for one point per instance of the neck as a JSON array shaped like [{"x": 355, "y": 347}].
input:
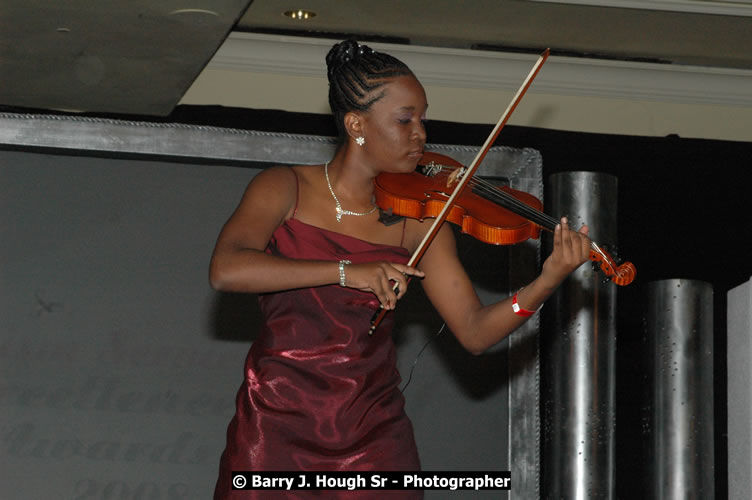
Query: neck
[{"x": 351, "y": 180}]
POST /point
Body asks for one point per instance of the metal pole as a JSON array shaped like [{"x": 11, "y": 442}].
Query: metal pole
[
  {"x": 578, "y": 346},
  {"x": 679, "y": 330}
]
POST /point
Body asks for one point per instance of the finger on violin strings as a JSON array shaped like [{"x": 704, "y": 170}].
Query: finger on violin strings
[
  {"x": 568, "y": 238},
  {"x": 575, "y": 247},
  {"x": 571, "y": 239},
  {"x": 559, "y": 231},
  {"x": 584, "y": 239}
]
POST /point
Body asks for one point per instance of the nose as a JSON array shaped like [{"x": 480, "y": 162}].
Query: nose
[{"x": 419, "y": 133}]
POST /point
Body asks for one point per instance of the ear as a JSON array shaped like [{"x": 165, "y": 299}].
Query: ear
[{"x": 353, "y": 124}]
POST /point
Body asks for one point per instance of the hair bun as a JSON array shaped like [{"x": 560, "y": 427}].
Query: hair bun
[{"x": 345, "y": 52}]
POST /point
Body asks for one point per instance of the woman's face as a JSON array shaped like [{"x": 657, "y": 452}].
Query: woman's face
[{"x": 394, "y": 127}]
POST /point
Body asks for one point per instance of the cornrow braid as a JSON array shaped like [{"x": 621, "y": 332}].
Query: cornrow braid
[{"x": 355, "y": 72}]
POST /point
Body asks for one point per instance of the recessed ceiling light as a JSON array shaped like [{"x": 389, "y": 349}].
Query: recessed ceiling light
[{"x": 300, "y": 14}]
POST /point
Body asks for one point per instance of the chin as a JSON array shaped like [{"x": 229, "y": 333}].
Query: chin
[
  {"x": 399, "y": 166},
  {"x": 407, "y": 166}
]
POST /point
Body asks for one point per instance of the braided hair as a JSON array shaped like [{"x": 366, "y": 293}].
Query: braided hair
[{"x": 355, "y": 71}]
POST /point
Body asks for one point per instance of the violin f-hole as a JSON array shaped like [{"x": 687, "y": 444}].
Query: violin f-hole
[{"x": 427, "y": 194}]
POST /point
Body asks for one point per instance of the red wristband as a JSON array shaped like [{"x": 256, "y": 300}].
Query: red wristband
[{"x": 518, "y": 310}]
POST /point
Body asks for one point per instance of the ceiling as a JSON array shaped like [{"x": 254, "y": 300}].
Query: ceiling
[
  {"x": 113, "y": 56},
  {"x": 140, "y": 56}
]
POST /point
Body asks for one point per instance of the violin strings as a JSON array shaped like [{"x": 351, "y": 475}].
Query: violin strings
[
  {"x": 493, "y": 193},
  {"x": 496, "y": 195}
]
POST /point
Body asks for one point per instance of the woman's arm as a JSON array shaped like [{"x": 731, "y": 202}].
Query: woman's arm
[
  {"x": 239, "y": 263},
  {"x": 478, "y": 327}
]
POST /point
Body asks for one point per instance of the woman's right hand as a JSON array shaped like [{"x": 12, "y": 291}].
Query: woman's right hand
[{"x": 380, "y": 278}]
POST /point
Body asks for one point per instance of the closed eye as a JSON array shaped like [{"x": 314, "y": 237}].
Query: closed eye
[{"x": 406, "y": 121}]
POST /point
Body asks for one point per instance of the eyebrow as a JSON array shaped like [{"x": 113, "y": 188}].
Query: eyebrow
[{"x": 411, "y": 108}]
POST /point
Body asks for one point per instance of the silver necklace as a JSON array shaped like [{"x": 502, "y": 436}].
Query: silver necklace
[{"x": 340, "y": 211}]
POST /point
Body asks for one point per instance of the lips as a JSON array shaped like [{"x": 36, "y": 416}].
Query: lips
[{"x": 416, "y": 154}]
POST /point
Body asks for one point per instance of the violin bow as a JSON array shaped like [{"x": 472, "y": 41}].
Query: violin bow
[{"x": 465, "y": 177}]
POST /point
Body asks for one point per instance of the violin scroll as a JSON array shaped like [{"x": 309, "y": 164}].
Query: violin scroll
[{"x": 621, "y": 274}]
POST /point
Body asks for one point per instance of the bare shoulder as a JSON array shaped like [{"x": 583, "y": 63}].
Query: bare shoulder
[
  {"x": 279, "y": 179},
  {"x": 306, "y": 173},
  {"x": 273, "y": 189},
  {"x": 268, "y": 200}
]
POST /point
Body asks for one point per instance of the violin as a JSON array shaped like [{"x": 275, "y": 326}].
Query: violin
[
  {"x": 492, "y": 214},
  {"x": 484, "y": 211},
  {"x": 425, "y": 200}
]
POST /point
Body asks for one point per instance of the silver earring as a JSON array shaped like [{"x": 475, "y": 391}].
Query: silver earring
[{"x": 360, "y": 140}]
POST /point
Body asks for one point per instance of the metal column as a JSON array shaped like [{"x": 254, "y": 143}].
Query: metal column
[
  {"x": 578, "y": 344},
  {"x": 679, "y": 335}
]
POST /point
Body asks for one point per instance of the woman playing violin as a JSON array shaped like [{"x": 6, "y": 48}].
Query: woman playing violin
[{"x": 319, "y": 392}]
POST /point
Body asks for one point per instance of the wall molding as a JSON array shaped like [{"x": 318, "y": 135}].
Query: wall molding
[
  {"x": 728, "y": 8},
  {"x": 462, "y": 68},
  {"x": 188, "y": 142}
]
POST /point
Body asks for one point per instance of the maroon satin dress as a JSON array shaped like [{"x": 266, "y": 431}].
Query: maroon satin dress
[{"x": 319, "y": 393}]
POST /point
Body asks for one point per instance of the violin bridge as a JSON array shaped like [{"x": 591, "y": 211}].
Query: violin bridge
[
  {"x": 456, "y": 176},
  {"x": 432, "y": 168}
]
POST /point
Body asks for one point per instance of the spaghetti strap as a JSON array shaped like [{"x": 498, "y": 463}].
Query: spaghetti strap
[{"x": 297, "y": 193}]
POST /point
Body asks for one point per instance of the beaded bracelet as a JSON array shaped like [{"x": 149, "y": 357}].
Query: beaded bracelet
[
  {"x": 342, "y": 264},
  {"x": 518, "y": 310}
]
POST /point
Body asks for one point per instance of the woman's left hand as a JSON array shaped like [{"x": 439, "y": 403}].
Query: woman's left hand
[{"x": 571, "y": 250}]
